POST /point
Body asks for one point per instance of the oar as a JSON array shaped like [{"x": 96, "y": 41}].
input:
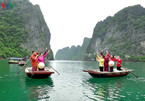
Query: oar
[
  {"x": 23, "y": 66},
  {"x": 134, "y": 75},
  {"x": 55, "y": 70},
  {"x": 131, "y": 72}
]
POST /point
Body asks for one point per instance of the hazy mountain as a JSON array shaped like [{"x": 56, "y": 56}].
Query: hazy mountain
[{"x": 73, "y": 53}]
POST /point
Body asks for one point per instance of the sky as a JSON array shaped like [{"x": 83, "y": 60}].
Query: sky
[{"x": 69, "y": 21}]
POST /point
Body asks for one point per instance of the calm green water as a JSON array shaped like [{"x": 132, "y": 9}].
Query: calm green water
[{"x": 72, "y": 84}]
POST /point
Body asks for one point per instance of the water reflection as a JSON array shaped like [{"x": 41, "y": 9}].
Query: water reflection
[
  {"x": 39, "y": 89},
  {"x": 13, "y": 68},
  {"x": 104, "y": 88}
]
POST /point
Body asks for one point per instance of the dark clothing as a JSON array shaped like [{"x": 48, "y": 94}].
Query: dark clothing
[
  {"x": 119, "y": 68},
  {"x": 111, "y": 69},
  {"x": 41, "y": 69},
  {"x": 106, "y": 61},
  {"x": 101, "y": 69},
  {"x": 44, "y": 53}
]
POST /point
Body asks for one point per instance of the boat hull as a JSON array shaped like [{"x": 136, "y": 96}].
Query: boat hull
[
  {"x": 38, "y": 74},
  {"x": 13, "y": 62},
  {"x": 98, "y": 74},
  {"x": 107, "y": 75},
  {"x": 21, "y": 64}
]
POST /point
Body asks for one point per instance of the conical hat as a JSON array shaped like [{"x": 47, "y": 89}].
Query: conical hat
[
  {"x": 111, "y": 63},
  {"x": 41, "y": 65}
]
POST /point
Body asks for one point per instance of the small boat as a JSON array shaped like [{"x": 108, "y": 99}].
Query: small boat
[
  {"x": 13, "y": 62},
  {"x": 40, "y": 73},
  {"x": 22, "y": 64},
  {"x": 115, "y": 73}
]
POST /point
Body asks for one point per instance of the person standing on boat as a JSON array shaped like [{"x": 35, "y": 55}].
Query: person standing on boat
[
  {"x": 111, "y": 62},
  {"x": 34, "y": 60},
  {"x": 41, "y": 60},
  {"x": 43, "y": 55},
  {"x": 119, "y": 61},
  {"x": 106, "y": 60},
  {"x": 101, "y": 62}
]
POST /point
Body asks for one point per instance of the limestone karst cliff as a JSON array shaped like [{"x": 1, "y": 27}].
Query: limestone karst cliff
[
  {"x": 123, "y": 35},
  {"x": 22, "y": 29}
]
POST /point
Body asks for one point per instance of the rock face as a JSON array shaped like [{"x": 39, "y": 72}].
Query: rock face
[
  {"x": 123, "y": 35},
  {"x": 73, "y": 53},
  {"x": 35, "y": 28}
]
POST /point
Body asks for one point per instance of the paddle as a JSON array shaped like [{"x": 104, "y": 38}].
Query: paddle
[
  {"x": 55, "y": 70},
  {"x": 23, "y": 66},
  {"x": 134, "y": 75},
  {"x": 131, "y": 72}
]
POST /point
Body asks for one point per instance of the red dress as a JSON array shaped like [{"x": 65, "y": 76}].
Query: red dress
[
  {"x": 106, "y": 60},
  {"x": 112, "y": 59},
  {"x": 119, "y": 61}
]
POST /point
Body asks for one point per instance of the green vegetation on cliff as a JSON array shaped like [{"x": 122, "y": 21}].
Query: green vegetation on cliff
[
  {"x": 12, "y": 35},
  {"x": 22, "y": 30},
  {"x": 123, "y": 35},
  {"x": 73, "y": 53}
]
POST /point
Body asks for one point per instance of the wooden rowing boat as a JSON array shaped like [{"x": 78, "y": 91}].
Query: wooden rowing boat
[
  {"x": 39, "y": 74},
  {"x": 13, "y": 62},
  {"x": 115, "y": 73},
  {"x": 22, "y": 64}
]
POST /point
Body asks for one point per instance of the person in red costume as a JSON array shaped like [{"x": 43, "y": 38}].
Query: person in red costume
[
  {"x": 119, "y": 61},
  {"x": 112, "y": 58},
  {"x": 34, "y": 60},
  {"x": 106, "y": 60}
]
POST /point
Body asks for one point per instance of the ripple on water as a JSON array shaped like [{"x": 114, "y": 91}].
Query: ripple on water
[
  {"x": 6, "y": 75},
  {"x": 140, "y": 79}
]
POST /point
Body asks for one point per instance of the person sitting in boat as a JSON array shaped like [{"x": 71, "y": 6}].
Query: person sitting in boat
[
  {"x": 106, "y": 61},
  {"x": 11, "y": 60},
  {"x": 40, "y": 60},
  {"x": 119, "y": 61},
  {"x": 101, "y": 62},
  {"x": 21, "y": 61},
  {"x": 111, "y": 62},
  {"x": 34, "y": 60}
]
